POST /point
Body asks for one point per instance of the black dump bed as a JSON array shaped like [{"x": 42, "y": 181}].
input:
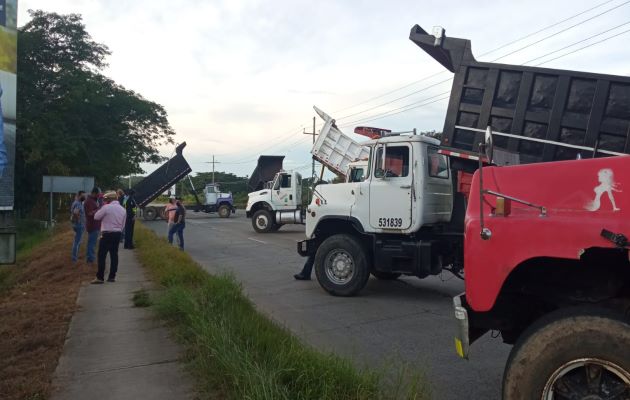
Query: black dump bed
[
  {"x": 266, "y": 169},
  {"x": 576, "y": 108},
  {"x": 162, "y": 178}
]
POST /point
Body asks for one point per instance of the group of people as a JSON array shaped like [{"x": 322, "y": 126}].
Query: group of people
[{"x": 110, "y": 215}]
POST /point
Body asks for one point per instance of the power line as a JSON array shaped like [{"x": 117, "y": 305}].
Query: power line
[
  {"x": 408, "y": 108},
  {"x": 491, "y": 51},
  {"x": 399, "y": 98},
  {"x": 562, "y": 31},
  {"x": 578, "y": 42},
  {"x": 584, "y": 47}
]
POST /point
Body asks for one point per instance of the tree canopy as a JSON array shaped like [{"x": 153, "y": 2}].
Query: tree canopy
[{"x": 72, "y": 119}]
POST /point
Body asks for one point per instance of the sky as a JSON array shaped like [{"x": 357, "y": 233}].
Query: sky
[{"x": 238, "y": 78}]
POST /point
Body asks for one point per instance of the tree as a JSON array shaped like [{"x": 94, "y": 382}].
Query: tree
[{"x": 73, "y": 120}]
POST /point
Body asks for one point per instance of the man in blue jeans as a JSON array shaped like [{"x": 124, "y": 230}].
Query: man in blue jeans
[
  {"x": 92, "y": 226},
  {"x": 77, "y": 218},
  {"x": 178, "y": 225}
]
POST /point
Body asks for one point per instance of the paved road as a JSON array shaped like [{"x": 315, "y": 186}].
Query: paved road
[{"x": 408, "y": 319}]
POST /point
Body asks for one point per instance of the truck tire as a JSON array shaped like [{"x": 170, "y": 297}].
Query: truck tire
[
  {"x": 262, "y": 221},
  {"x": 149, "y": 214},
  {"x": 224, "y": 211},
  {"x": 386, "y": 276},
  {"x": 341, "y": 265},
  {"x": 558, "y": 356}
]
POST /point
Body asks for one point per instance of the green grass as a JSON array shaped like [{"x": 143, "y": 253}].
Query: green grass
[
  {"x": 237, "y": 353},
  {"x": 141, "y": 298}
]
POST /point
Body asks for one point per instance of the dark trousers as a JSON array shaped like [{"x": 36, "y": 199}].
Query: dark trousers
[
  {"x": 129, "y": 224},
  {"x": 109, "y": 244},
  {"x": 308, "y": 266},
  {"x": 179, "y": 230}
]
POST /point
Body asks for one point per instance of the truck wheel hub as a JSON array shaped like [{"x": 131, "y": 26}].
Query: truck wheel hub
[
  {"x": 588, "y": 379},
  {"x": 339, "y": 267},
  {"x": 261, "y": 221}
]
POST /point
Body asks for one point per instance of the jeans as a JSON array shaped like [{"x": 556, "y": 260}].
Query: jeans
[
  {"x": 91, "y": 245},
  {"x": 78, "y": 234},
  {"x": 179, "y": 230},
  {"x": 109, "y": 244}
]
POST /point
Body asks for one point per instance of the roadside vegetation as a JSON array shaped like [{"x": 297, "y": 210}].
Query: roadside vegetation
[
  {"x": 37, "y": 300},
  {"x": 237, "y": 353}
]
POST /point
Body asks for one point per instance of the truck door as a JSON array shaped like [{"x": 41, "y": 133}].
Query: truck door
[
  {"x": 391, "y": 188},
  {"x": 282, "y": 194},
  {"x": 211, "y": 195}
]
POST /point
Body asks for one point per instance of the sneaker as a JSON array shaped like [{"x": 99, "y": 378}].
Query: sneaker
[
  {"x": 111, "y": 279},
  {"x": 97, "y": 281}
]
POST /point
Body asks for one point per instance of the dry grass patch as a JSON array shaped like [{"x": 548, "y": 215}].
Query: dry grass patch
[{"x": 36, "y": 305}]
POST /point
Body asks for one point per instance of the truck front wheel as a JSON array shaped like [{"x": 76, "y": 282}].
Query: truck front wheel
[
  {"x": 571, "y": 354},
  {"x": 224, "y": 211},
  {"x": 341, "y": 265},
  {"x": 262, "y": 221}
]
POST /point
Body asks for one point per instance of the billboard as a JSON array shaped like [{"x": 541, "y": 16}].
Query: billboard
[{"x": 8, "y": 91}]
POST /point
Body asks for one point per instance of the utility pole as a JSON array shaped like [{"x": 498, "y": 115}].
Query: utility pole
[
  {"x": 314, "y": 134},
  {"x": 213, "y": 162}
]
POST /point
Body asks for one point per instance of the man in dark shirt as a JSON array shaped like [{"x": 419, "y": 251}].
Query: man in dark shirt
[
  {"x": 130, "y": 206},
  {"x": 178, "y": 225},
  {"x": 92, "y": 226}
]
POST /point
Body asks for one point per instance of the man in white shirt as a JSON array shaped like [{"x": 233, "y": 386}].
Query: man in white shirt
[{"x": 112, "y": 216}]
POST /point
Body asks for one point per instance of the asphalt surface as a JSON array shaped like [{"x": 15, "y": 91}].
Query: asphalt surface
[{"x": 408, "y": 319}]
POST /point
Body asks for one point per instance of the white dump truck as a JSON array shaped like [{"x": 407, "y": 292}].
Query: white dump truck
[{"x": 280, "y": 202}]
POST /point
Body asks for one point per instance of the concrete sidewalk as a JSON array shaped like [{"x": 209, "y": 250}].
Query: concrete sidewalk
[{"x": 117, "y": 351}]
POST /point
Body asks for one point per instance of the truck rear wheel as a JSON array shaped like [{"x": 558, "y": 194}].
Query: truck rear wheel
[
  {"x": 386, "y": 276},
  {"x": 149, "y": 214},
  {"x": 571, "y": 354},
  {"x": 224, "y": 211},
  {"x": 262, "y": 221},
  {"x": 341, "y": 265}
]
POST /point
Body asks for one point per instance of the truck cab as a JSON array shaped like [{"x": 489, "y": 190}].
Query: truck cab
[
  {"x": 278, "y": 204},
  {"x": 406, "y": 195}
]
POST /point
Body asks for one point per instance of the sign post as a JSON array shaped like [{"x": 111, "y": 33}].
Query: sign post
[{"x": 64, "y": 184}]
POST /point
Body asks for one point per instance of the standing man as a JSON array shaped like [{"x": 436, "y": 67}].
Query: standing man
[
  {"x": 130, "y": 207},
  {"x": 92, "y": 226},
  {"x": 169, "y": 212},
  {"x": 77, "y": 218},
  {"x": 112, "y": 216},
  {"x": 178, "y": 225}
]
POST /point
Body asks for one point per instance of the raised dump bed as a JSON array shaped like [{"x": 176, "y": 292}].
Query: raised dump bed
[
  {"x": 162, "y": 178},
  {"x": 579, "y": 109}
]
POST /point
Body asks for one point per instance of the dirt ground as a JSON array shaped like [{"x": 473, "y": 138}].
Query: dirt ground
[{"x": 34, "y": 316}]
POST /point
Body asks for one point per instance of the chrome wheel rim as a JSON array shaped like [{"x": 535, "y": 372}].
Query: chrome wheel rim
[
  {"x": 588, "y": 379},
  {"x": 262, "y": 221},
  {"x": 339, "y": 267}
]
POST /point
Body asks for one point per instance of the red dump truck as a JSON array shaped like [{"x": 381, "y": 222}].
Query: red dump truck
[{"x": 545, "y": 243}]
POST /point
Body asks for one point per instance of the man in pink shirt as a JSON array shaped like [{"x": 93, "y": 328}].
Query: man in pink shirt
[{"x": 112, "y": 216}]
